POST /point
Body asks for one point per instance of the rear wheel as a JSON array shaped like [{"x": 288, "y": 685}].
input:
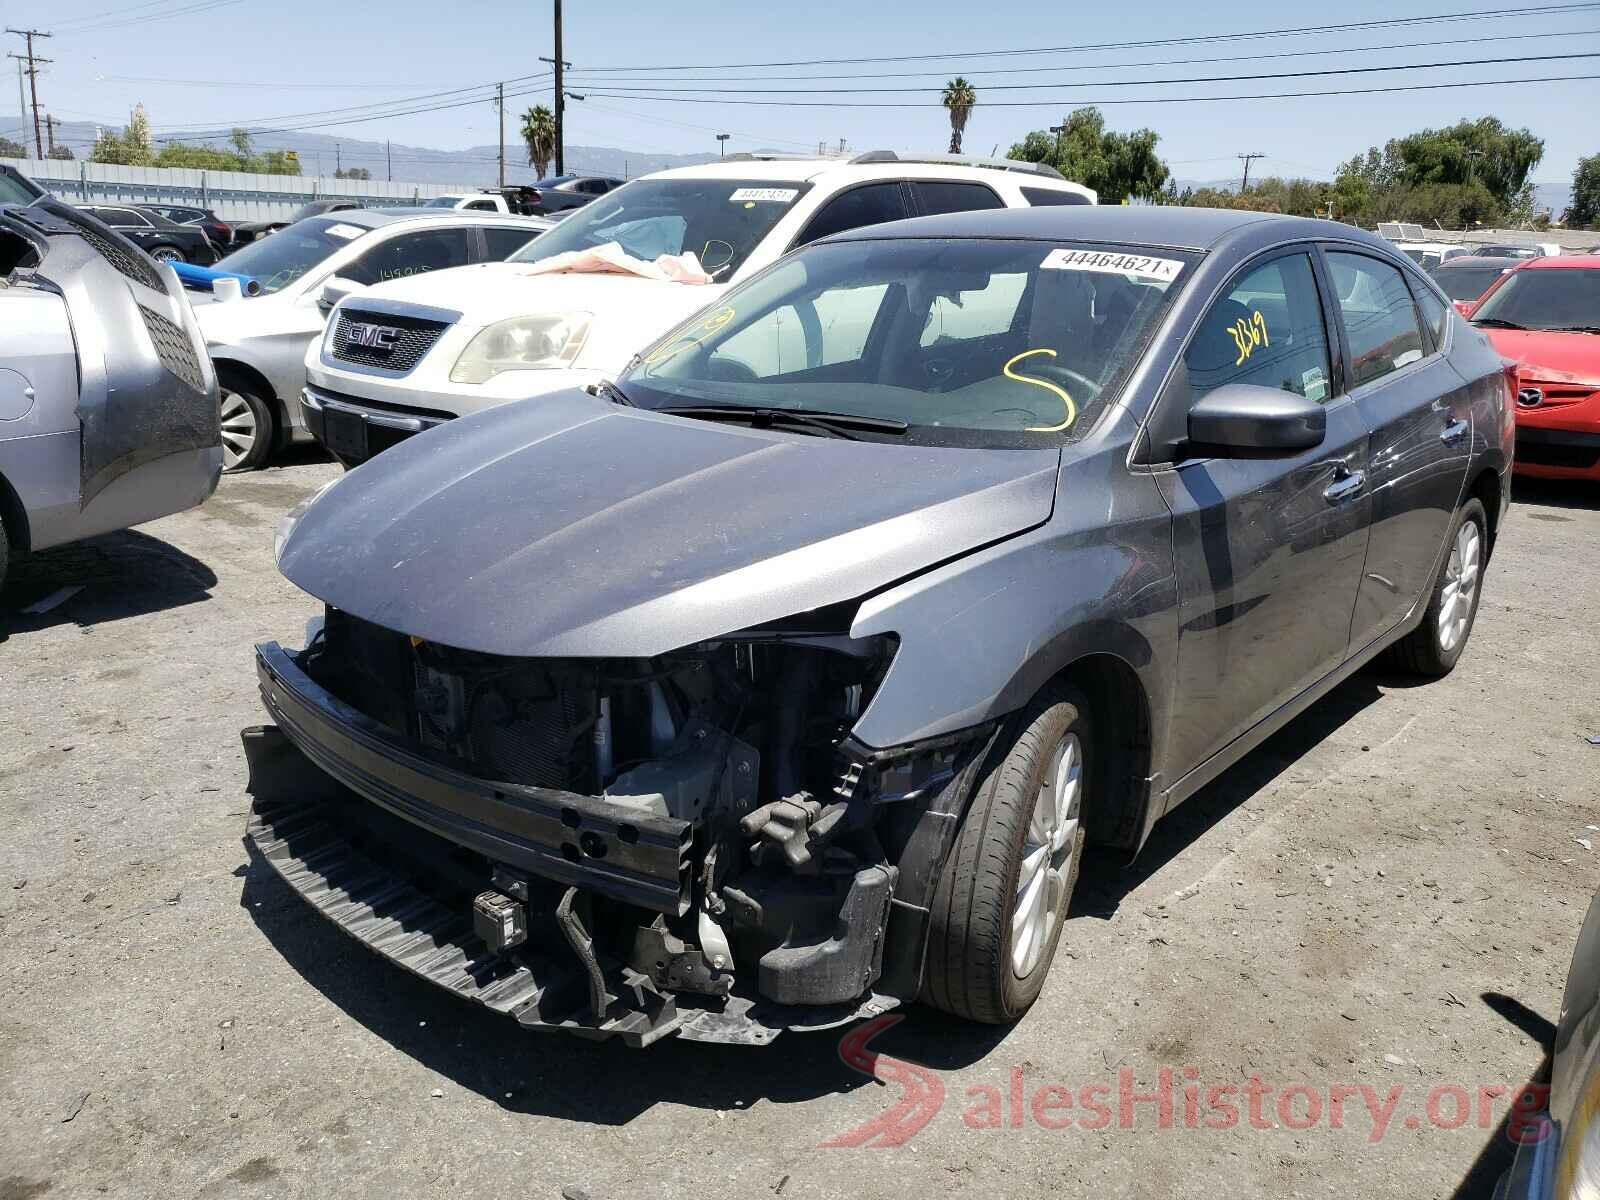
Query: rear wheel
[
  {"x": 1434, "y": 647},
  {"x": 1002, "y": 897},
  {"x": 167, "y": 254},
  {"x": 248, "y": 428}
]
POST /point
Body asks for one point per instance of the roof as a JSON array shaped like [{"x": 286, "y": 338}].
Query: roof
[
  {"x": 1179, "y": 227},
  {"x": 388, "y": 216},
  {"x": 807, "y": 169},
  {"x": 1562, "y": 262},
  {"x": 1498, "y": 262}
]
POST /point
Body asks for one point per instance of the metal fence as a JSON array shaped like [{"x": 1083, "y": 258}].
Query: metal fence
[{"x": 232, "y": 195}]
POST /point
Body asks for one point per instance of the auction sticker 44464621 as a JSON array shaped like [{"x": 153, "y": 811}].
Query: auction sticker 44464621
[{"x": 1112, "y": 262}]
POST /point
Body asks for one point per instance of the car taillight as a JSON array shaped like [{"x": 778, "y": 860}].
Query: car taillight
[{"x": 1508, "y": 414}]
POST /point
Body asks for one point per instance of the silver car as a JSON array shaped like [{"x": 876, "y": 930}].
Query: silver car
[
  {"x": 259, "y": 344},
  {"x": 108, "y": 404}
]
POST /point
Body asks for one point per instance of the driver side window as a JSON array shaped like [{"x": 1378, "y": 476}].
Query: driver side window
[{"x": 1267, "y": 331}]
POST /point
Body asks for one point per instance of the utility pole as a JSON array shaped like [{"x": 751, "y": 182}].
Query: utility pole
[
  {"x": 722, "y": 145},
  {"x": 1060, "y": 131},
  {"x": 500, "y": 101},
  {"x": 34, "y": 63},
  {"x": 50, "y": 133},
  {"x": 561, "y": 100},
  {"x": 22, "y": 95},
  {"x": 1246, "y": 159},
  {"x": 388, "y": 158},
  {"x": 338, "y": 160}
]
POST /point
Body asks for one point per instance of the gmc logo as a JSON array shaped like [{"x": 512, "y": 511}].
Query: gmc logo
[{"x": 373, "y": 337}]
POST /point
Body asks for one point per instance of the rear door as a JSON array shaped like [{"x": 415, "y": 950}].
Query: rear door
[
  {"x": 1268, "y": 548},
  {"x": 1417, "y": 409}
]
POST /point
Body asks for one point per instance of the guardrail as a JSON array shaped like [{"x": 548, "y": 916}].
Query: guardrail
[{"x": 232, "y": 195}]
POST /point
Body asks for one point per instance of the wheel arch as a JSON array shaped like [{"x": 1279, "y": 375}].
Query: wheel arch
[
  {"x": 1486, "y": 486},
  {"x": 1120, "y": 713}
]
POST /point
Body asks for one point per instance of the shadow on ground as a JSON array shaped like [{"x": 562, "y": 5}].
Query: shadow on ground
[
  {"x": 1494, "y": 1160},
  {"x": 1555, "y": 493},
  {"x": 119, "y": 575},
  {"x": 1108, "y": 877}
]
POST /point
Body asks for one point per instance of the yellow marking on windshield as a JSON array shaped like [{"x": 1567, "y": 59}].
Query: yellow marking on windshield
[
  {"x": 1066, "y": 400},
  {"x": 1248, "y": 334},
  {"x": 693, "y": 338}
]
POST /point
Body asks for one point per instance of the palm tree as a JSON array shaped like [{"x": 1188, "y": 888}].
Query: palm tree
[
  {"x": 959, "y": 98},
  {"x": 539, "y": 133}
]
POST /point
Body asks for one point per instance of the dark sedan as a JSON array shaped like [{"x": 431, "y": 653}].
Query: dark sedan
[
  {"x": 558, "y": 193},
  {"x": 218, "y": 230},
  {"x": 162, "y": 239},
  {"x": 785, "y": 679}
]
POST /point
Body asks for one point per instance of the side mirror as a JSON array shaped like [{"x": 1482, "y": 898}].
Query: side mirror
[
  {"x": 1245, "y": 418},
  {"x": 335, "y": 290}
]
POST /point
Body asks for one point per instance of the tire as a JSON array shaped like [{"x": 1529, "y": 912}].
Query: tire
[
  {"x": 983, "y": 963},
  {"x": 249, "y": 428},
  {"x": 5, "y": 553},
  {"x": 1433, "y": 648},
  {"x": 167, "y": 254}
]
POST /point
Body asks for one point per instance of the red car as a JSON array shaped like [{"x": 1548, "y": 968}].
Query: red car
[{"x": 1545, "y": 316}]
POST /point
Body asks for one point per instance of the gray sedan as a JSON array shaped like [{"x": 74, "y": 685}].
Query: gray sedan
[
  {"x": 259, "y": 344},
  {"x": 786, "y": 679}
]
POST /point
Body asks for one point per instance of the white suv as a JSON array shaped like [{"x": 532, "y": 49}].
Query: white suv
[{"x": 402, "y": 356}]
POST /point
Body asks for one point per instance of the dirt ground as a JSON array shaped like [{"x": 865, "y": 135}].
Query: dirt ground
[{"x": 1385, "y": 895}]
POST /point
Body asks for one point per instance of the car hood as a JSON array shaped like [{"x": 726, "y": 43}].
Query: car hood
[
  {"x": 1553, "y": 357},
  {"x": 574, "y": 527}
]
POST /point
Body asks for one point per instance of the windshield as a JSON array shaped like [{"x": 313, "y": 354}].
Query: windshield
[
  {"x": 1546, "y": 298},
  {"x": 279, "y": 260},
  {"x": 442, "y": 202},
  {"x": 719, "y": 220},
  {"x": 970, "y": 342},
  {"x": 1466, "y": 283}
]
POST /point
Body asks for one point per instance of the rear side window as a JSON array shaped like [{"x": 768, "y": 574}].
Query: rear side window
[
  {"x": 503, "y": 243},
  {"x": 1434, "y": 314},
  {"x": 935, "y": 198},
  {"x": 410, "y": 254},
  {"x": 1040, "y": 197},
  {"x": 871, "y": 204},
  {"x": 483, "y": 206},
  {"x": 1267, "y": 331},
  {"x": 1379, "y": 318},
  {"x": 12, "y": 191}
]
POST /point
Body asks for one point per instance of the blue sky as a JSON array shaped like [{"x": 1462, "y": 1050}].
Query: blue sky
[{"x": 257, "y": 61}]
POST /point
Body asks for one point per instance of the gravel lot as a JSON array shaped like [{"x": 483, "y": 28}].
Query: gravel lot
[{"x": 1386, "y": 894}]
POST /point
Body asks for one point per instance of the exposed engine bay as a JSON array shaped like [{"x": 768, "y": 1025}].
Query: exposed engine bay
[{"x": 719, "y": 832}]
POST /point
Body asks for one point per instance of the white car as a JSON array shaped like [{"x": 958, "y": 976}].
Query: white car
[
  {"x": 404, "y": 356},
  {"x": 259, "y": 344},
  {"x": 471, "y": 202}
]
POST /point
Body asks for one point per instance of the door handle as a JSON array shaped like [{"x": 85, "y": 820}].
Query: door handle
[
  {"x": 1345, "y": 486},
  {"x": 1454, "y": 432}
]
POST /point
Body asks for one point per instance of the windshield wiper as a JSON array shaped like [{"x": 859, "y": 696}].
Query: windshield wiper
[
  {"x": 1576, "y": 329},
  {"x": 613, "y": 393},
  {"x": 1497, "y": 323},
  {"x": 836, "y": 424}
]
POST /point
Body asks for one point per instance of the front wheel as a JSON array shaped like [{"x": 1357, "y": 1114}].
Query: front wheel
[
  {"x": 1003, "y": 894},
  {"x": 247, "y": 428},
  {"x": 1434, "y": 647},
  {"x": 167, "y": 254}
]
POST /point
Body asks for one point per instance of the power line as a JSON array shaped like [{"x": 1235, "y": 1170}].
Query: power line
[
  {"x": 1197, "y": 39},
  {"x": 978, "y": 81},
  {"x": 1030, "y": 87},
  {"x": 1058, "y": 103},
  {"x": 189, "y": 10}
]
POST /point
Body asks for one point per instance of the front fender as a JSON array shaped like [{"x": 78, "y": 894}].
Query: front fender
[{"x": 981, "y": 635}]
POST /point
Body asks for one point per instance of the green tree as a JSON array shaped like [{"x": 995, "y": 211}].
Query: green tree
[
  {"x": 353, "y": 173},
  {"x": 1585, "y": 207},
  {"x": 58, "y": 152},
  {"x": 242, "y": 145},
  {"x": 959, "y": 98},
  {"x": 539, "y": 135},
  {"x": 10, "y": 149},
  {"x": 1116, "y": 165}
]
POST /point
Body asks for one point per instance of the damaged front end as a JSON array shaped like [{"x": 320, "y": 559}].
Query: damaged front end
[{"x": 690, "y": 844}]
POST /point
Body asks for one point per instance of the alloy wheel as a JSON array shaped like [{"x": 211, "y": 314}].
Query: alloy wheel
[
  {"x": 1460, "y": 586},
  {"x": 166, "y": 254},
  {"x": 1047, "y": 850},
  {"x": 239, "y": 429}
]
